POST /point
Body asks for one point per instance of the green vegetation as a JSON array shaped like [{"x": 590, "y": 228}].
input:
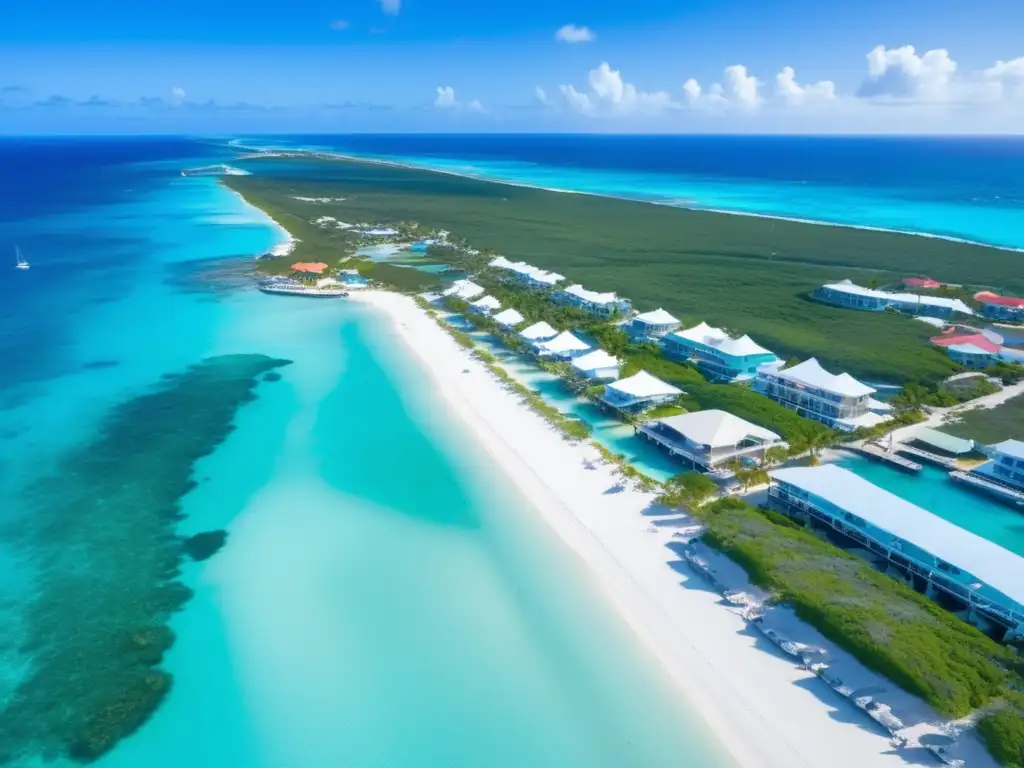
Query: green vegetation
[
  {"x": 689, "y": 489},
  {"x": 889, "y": 627},
  {"x": 915, "y": 394},
  {"x": 740, "y": 272},
  {"x": 990, "y": 425},
  {"x": 1003, "y": 734},
  {"x": 401, "y": 279}
]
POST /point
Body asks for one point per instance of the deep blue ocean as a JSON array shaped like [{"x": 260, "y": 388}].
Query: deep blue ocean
[{"x": 960, "y": 187}]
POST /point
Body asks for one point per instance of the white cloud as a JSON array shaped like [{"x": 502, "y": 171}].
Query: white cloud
[
  {"x": 610, "y": 94},
  {"x": 339, "y": 24},
  {"x": 391, "y": 7},
  {"x": 692, "y": 91},
  {"x": 177, "y": 95},
  {"x": 1005, "y": 79},
  {"x": 899, "y": 73},
  {"x": 579, "y": 102},
  {"x": 570, "y": 33},
  {"x": 445, "y": 97},
  {"x": 741, "y": 86},
  {"x": 788, "y": 90},
  {"x": 542, "y": 96},
  {"x": 475, "y": 106}
]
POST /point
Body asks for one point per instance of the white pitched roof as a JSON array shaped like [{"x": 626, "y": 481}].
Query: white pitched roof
[
  {"x": 538, "y": 331},
  {"x": 593, "y": 297},
  {"x": 989, "y": 562},
  {"x": 811, "y": 374},
  {"x": 509, "y": 318},
  {"x": 702, "y": 334},
  {"x": 487, "y": 302},
  {"x": 526, "y": 270},
  {"x": 595, "y": 360},
  {"x": 464, "y": 289},
  {"x": 657, "y": 317},
  {"x": 717, "y": 429},
  {"x": 720, "y": 340},
  {"x": 642, "y": 384},
  {"x": 1013, "y": 448},
  {"x": 846, "y": 286},
  {"x": 564, "y": 342}
]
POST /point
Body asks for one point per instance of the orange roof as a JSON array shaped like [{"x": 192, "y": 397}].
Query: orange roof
[{"x": 315, "y": 267}]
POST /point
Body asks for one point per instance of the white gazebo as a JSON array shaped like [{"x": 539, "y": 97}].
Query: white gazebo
[
  {"x": 565, "y": 346},
  {"x": 538, "y": 333},
  {"x": 485, "y": 305},
  {"x": 509, "y": 318},
  {"x": 597, "y": 365},
  {"x": 638, "y": 393},
  {"x": 463, "y": 289}
]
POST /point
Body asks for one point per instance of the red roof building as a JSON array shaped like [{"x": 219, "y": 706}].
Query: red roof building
[
  {"x": 313, "y": 268},
  {"x": 987, "y": 297},
  {"x": 921, "y": 283},
  {"x": 955, "y": 336}
]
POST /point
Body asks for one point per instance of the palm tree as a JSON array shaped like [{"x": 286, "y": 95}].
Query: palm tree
[{"x": 774, "y": 455}]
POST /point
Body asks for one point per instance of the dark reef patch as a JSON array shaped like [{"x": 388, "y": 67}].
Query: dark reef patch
[
  {"x": 204, "y": 545},
  {"x": 211, "y": 276},
  {"x": 272, "y": 376},
  {"x": 98, "y": 365},
  {"x": 101, "y": 530}
]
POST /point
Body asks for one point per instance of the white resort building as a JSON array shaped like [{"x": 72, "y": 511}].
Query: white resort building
[
  {"x": 527, "y": 274},
  {"x": 719, "y": 355},
  {"x": 652, "y": 325},
  {"x": 601, "y": 304},
  {"x": 638, "y": 392},
  {"x": 706, "y": 439},
  {"x": 848, "y": 294},
  {"x": 1002, "y": 476},
  {"x": 463, "y": 289},
  {"x": 485, "y": 305},
  {"x": 509, "y": 318},
  {"x": 538, "y": 333},
  {"x": 840, "y": 401},
  {"x": 565, "y": 346},
  {"x": 911, "y": 543},
  {"x": 597, "y": 366}
]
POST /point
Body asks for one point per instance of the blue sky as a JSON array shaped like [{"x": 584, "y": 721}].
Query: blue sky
[{"x": 440, "y": 65}]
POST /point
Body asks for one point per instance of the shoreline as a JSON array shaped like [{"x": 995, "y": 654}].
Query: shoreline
[
  {"x": 287, "y": 241},
  {"x": 756, "y": 704},
  {"x": 323, "y": 155}
]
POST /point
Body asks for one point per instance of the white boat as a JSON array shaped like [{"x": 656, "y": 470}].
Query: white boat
[
  {"x": 21, "y": 263},
  {"x": 289, "y": 288}
]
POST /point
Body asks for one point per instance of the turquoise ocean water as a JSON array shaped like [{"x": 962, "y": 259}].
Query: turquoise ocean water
[{"x": 385, "y": 597}]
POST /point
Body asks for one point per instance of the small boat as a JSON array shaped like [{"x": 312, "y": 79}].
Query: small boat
[
  {"x": 21, "y": 263},
  {"x": 291, "y": 288}
]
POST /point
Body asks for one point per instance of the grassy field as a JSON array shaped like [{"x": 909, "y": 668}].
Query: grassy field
[
  {"x": 991, "y": 425},
  {"x": 744, "y": 273}
]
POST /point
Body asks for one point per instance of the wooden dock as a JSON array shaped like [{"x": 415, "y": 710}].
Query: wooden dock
[
  {"x": 877, "y": 453},
  {"x": 926, "y": 456}
]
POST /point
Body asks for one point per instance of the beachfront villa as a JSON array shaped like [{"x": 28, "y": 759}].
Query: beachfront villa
[
  {"x": 527, "y": 274},
  {"x": 915, "y": 546},
  {"x": 463, "y": 289},
  {"x": 485, "y": 305},
  {"x": 707, "y": 439},
  {"x": 838, "y": 400},
  {"x": 651, "y": 326},
  {"x": 600, "y": 304},
  {"x": 999, "y": 307},
  {"x": 637, "y": 393},
  {"x": 307, "y": 268},
  {"x": 923, "y": 283},
  {"x": 1002, "y": 476},
  {"x": 847, "y": 294},
  {"x": 972, "y": 349},
  {"x": 597, "y": 366},
  {"x": 718, "y": 354},
  {"x": 565, "y": 346},
  {"x": 509, "y": 318},
  {"x": 538, "y": 333}
]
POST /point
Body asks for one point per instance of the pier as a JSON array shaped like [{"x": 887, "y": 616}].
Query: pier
[
  {"x": 1001, "y": 492},
  {"x": 878, "y": 453},
  {"x": 944, "y": 462}
]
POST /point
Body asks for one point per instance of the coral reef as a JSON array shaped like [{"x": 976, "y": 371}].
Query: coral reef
[
  {"x": 272, "y": 376},
  {"x": 100, "y": 532},
  {"x": 205, "y": 545}
]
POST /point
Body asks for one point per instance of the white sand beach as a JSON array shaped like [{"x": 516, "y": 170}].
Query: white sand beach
[{"x": 764, "y": 708}]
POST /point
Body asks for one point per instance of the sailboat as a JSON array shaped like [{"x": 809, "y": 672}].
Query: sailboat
[{"x": 22, "y": 264}]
